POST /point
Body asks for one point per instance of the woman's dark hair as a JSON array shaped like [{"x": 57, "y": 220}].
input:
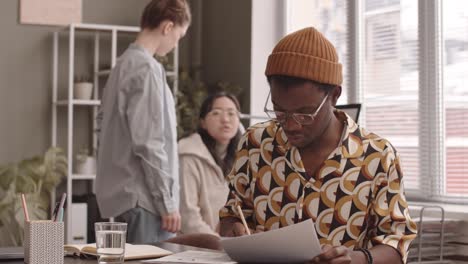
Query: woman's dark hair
[
  {"x": 288, "y": 81},
  {"x": 228, "y": 161},
  {"x": 177, "y": 11}
]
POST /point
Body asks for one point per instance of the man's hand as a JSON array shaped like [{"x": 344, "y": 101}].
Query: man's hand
[
  {"x": 338, "y": 255},
  {"x": 171, "y": 222},
  {"x": 231, "y": 227}
]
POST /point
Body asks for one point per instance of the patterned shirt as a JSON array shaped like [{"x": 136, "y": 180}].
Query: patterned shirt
[{"x": 356, "y": 198}]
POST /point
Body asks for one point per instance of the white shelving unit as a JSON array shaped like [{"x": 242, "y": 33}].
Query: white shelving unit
[{"x": 69, "y": 104}]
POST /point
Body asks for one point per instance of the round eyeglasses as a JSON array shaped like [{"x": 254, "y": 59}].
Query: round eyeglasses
[
  {"x": 300, "y": 118},
  {"x": 218, "y": 113}
]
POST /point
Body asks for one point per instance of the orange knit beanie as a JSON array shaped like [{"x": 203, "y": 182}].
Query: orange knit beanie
[{"x": 305, "y": 54}]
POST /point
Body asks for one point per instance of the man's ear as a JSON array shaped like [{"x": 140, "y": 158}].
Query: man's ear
[
  {"x": 167, "y": 26},
  {"x": 335, "y": 94}
]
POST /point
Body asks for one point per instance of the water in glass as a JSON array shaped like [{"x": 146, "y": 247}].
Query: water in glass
[{"x": 110, "y": 243}]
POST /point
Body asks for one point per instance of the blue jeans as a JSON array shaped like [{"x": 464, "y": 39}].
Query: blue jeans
[{"x": 143, "y": 227}]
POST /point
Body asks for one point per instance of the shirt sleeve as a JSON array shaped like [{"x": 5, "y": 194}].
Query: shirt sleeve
[
  {"x": 144, "y": 112},
  {"x": 390, "y": 222},
  {"x": 241, "y": 184},
  {"x": 192, "y": 221}
]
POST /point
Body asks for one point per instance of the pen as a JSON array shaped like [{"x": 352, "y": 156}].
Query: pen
[
  {"x": 62, "y": 203},
  {"x": 25, "y": 207},
  {"x": 243, "y": 219},
  {"x": 56, "y": 209},
  {"x": 60, "y": 215}
]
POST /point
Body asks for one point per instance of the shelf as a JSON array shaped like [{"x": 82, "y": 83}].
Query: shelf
[
  {"x": 98, "y": 27},
  {"x": 83, "y": 177},
  {"x": 103, "y": 73},
  {"x": 79, "y": 102},
  {"x": 107, "y": 72}
]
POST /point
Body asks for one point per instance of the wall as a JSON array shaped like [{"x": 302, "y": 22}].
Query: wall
[
  {"x": 25, "y": 74},
  {"x": 225, "y": 50},
  {"x": 218, "y": 40}
]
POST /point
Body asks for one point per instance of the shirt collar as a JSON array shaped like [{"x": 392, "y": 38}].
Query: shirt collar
[
  {"x": 351, "y": 145},
  {"x": 351, "y": 141}
]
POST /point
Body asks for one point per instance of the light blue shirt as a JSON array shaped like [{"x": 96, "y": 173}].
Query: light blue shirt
[{"x": 137, "y": 154}]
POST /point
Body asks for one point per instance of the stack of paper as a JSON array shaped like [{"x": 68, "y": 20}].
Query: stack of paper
[
  {"x": 291, "y": 244},
  {"x": 131, "y": 251},
  {"x": 295, "y": 243}
]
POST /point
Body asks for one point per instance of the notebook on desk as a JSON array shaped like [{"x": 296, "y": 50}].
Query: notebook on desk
[
  {"x": 132, "y": 252},
  {"x": 11, "y": 253}
]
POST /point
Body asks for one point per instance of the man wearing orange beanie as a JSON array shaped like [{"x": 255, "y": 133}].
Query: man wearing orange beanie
[{"x": 313, "y": 161}]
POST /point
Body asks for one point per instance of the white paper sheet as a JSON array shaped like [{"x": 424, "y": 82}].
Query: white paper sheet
[
  {"x": 295, "y": 243},
  {"x": 192, "y": 256}
]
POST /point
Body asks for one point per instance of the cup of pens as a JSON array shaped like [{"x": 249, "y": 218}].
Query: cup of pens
[{"x": 43, "y": 240}]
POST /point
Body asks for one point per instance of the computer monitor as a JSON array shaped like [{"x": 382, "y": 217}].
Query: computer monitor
[{"x": 352, "y": 110}]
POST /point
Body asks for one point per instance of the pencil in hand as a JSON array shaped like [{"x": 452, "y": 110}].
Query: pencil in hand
[{"x": 239, "y": 210}]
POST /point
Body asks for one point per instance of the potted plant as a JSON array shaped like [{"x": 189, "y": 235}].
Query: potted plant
[
  {"x": 82, "y": 87},
  {"x": 85, "y": 163},
  {"x": 37, "y": 178}
]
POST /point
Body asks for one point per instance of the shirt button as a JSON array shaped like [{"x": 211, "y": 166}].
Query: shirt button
[{"x": 308, "y": 185}]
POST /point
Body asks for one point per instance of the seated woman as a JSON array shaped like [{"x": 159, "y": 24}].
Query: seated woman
[{"x": 205, "y": 158}]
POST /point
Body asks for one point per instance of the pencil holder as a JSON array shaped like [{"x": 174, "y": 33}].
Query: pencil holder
[{"x": 43, "y": 242}]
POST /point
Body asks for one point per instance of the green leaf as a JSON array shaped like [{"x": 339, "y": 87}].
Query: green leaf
[{"x": 7, "y": 175}]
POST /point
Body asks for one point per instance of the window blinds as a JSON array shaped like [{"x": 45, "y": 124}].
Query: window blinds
[
  {"x": 455, "y": 87},
  {"x": 390, "y": 79}
]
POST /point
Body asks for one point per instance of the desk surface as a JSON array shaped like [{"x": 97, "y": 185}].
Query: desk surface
[{"x": 71, "y": 260}]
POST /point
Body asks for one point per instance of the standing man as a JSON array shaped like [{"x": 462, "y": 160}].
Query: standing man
[
  {"x": 138, "y": 179},
  {"x": 313, "y": 161}
]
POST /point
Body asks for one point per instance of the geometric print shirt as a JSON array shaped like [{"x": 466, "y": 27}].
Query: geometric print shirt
[{"x": 356, "y": 198}]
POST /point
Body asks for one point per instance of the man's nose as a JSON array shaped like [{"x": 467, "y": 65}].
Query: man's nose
[{"x": 290, "y": 124}]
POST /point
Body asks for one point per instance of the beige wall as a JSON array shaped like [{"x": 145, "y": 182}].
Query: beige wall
[
  {"x": 220, "y": 40},
  {"x": 25, "y": 74}
]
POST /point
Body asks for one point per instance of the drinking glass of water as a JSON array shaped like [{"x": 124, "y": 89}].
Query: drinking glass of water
[{"x": 110, "y": 241}]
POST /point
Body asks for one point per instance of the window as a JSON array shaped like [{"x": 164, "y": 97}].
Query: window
[
  {"x": 379, "y": 4},
  {"x": 328, "y": 17},
  {"x": 383, "y": 38},
  {"x": 397, "y": 104},
  {"x": 390, "y": 79},
  {"x": 455, "y": 40}
]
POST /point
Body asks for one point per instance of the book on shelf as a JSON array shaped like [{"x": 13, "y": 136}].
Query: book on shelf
[{"x": 131, "y": 251}]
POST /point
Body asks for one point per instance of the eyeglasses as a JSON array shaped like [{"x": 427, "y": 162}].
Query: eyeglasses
[
  {"x": 218, "y": 113},
  {"x": 302, "y": 119}
]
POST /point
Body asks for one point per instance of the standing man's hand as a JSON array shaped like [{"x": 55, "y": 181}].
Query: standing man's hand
[{"x": 171, "y": 222}]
